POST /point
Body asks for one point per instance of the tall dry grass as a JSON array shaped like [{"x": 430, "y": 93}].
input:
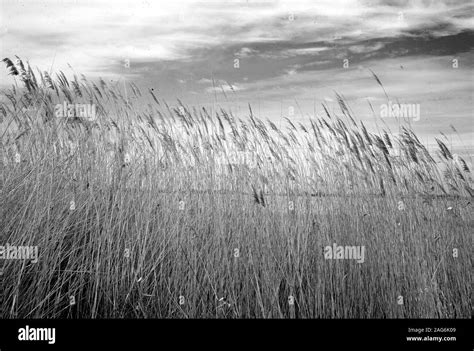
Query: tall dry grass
[{"x": 163, "y": 226}]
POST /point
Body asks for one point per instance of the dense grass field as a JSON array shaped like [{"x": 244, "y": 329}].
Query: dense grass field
[{"x": 151, "y": 210}]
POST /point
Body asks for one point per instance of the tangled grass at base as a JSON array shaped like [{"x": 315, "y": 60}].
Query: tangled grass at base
[{"x": 138, "y": 214}]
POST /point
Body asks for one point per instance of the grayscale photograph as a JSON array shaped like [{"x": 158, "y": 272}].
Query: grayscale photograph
[{"x": 243, "y": 159}]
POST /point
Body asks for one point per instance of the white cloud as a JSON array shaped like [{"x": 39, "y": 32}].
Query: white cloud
[
  {"x": 359, "y": 49},
  {"x": 88, "y": 34},
  {"x": 245, "y": 52},
  {"x": 204, "y": 81},
  {"x": 303, "y": 51},
  {"x": 226, "y": 88}
]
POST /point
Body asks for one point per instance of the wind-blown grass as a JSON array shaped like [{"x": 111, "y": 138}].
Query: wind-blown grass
[{"x": 164, "y": 226}]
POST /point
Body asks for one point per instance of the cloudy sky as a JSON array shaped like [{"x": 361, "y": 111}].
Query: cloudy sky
[{"x": 285, "y": 58}]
